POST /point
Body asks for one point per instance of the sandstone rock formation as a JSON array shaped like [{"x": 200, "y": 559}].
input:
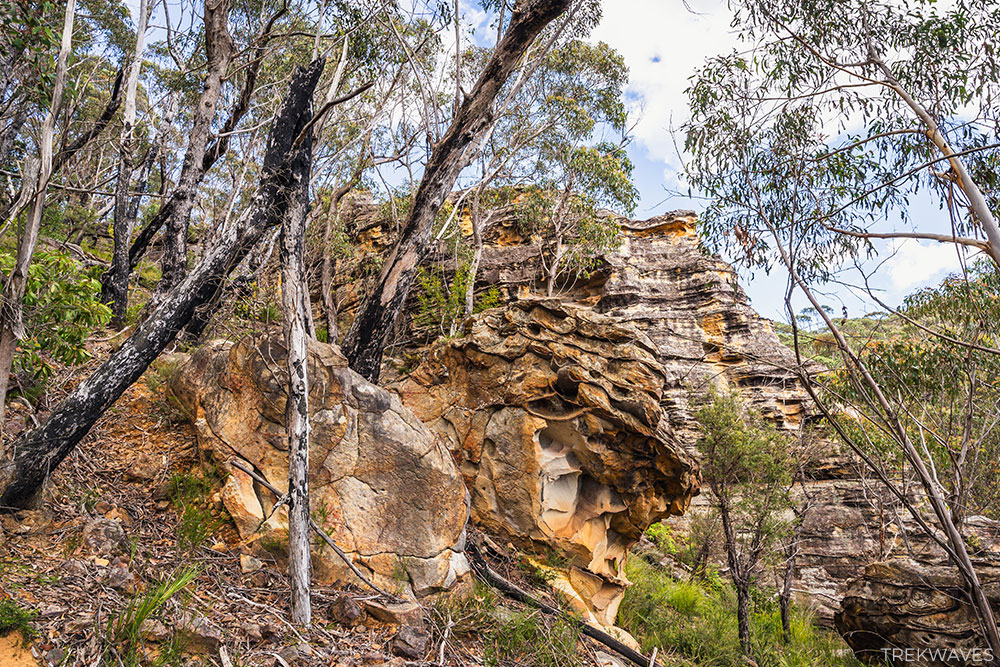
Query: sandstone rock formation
[
  {"x": 382, "y": 484},
  {"x": 554, "y": 414},
  {"x": 916, "y": 601},
  {"x": 703, "y": 331},
  {"x": 691, "y": 306}
]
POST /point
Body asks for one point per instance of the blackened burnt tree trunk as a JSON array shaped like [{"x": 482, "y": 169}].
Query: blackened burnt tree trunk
[
  {"x": 369, "y": 332},
  {"x": 295, "y": 316},
  {"x": 35, "y": 454}
]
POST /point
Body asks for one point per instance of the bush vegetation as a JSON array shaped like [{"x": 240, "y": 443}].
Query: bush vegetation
[
  {"x": 694, "y": 623},
  {"x": 527, "y": 638},
  {"x": 15, "y": 618}
]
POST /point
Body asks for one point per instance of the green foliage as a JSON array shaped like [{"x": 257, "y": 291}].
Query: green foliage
[
  {"x": 60, "y": 312},
  {"x": 493, "y": 298},
  {"x": 526, "y": 638},
  {"x": 694, "y": 624},
  {"x": 441, "y": 305},
  {"x": 260, "y": 305},
  {"x": 15, "y": 618},
  {"x": 664, "y": 538},
  {"x": 123, "y": 639},
  {"x": 27, "y": 29},
  {"x": 744, "y": 457},
  {"x": 509, "y": 637},
  {"x": 189, "y": 493},
  {"x": 538, "y": 576},
  {"x": 944, "y": 391}
]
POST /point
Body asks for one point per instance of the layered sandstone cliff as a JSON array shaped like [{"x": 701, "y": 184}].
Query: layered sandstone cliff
[{"x": 696, "y": 323}]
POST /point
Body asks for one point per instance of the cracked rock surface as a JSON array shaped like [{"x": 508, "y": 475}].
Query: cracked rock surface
[{"x": 381, "y": 483}]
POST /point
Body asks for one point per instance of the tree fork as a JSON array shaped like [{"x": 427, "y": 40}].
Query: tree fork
[
  {"x": 213, "y": 152},
  {"x": 35, "y": 454}
]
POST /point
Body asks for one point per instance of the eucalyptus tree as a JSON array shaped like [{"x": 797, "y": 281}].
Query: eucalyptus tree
[
  {"x": 810, "y": 143},
  {"x": 877, "y": 101},
  {"x": 15, "y": 283},
  {"x": 747, "y": 465},
  {"x": 545, "y": 163}
]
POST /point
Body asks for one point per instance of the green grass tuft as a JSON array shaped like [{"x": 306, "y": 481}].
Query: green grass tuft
[
  {"x": 189, "y": 493},
  {"x": 124, "y": 634},
  {"x": 15, "y": 618}
]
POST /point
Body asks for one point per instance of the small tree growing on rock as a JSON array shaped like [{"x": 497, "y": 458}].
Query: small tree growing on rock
[{"x": 747, "y": 466}]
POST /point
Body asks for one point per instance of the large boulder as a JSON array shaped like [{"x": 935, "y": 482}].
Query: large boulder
[
  {"x": 903, "y": 612},
  {"x": 381, "y": 483},
  {"x": 912, "y": 609},
  {"x": 554, "y": 414}
]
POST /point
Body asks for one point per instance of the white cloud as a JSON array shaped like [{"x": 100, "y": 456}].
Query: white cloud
[
  {"x": 916, "y": 264},
  {"x": 662, "y": 44}
]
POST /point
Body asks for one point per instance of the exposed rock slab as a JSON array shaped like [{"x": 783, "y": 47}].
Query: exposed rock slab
[
  {"x": 553, "y": 412},
  {"x": 382, "y": 484},
  {"x": 906, "y": 612}
]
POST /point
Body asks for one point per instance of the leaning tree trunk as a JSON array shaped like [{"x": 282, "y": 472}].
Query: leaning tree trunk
[
  {"x": 218, "y": 52},
  {"x": 295, "y": 310},
  {"x": 124, "y": 219},
  {"x": 11, "y": 325},
  {"x": 370, "y": 330},
  {"x": 36, "y": 453}
]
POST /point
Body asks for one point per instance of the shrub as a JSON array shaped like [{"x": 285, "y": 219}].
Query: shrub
[
  {"x": 61, "y": 309},
  {"x": 15, "y": 618},
  {"x": 189, "y": 493},
  {"x": 525, "y": 638}
]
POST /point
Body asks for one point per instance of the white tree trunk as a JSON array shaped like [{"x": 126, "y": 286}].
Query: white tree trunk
[
  {"x": 295, "y": 322},
  {"x": 11, "y": 325},
  {"x": 124, "y": 219}
]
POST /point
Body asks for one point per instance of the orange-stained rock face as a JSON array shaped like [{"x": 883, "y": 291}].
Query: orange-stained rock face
[
  {"x": 553, "y": 413},
  {"x": 381, "y": 483}
]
